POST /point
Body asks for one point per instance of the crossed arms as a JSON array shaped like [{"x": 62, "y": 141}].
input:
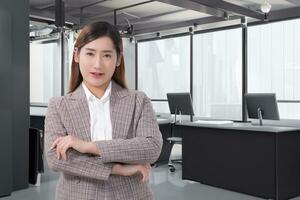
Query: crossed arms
[{"x": 100, "y": 159}]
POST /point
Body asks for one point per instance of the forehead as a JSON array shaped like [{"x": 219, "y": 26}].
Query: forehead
[{"x": 101, "y": 43}]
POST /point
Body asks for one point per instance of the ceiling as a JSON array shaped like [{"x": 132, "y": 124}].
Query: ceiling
[{"x": 152, "y": 16}]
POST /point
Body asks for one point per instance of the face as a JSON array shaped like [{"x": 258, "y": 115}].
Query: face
[{"x": 97, "y": 62}]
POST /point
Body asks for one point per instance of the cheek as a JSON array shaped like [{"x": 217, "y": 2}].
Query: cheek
[
  {"x": 84, "y": 70},
  {"x": 109, "y": 65},
  {"x": 84, "y": 65},
  {"x": 85, "y": 61},
  {"x": 111, "y": 69}
]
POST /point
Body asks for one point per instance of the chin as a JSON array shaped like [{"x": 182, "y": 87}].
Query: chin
[{"x": 98, "y": 83}]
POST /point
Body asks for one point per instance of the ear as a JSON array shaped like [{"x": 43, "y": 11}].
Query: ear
[
  {"x": 119, "y": 59},
  {"x": 76, "y": 55}
]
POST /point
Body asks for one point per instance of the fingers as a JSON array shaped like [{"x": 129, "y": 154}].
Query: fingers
[
  {"x": 145, "y": 171},
  {"x": 144, "y": 176},
  {"x": 148, "y": 166},
  {"x": 56, "y": 142},
  {"x": 57, "y": 152},
  {"x": 63, "y": 152},
  {"x": 130, "y": 170},
  {"x": 62, "y": 145}
]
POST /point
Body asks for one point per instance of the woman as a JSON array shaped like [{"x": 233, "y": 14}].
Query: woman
[{"x": 101, "y": 136}]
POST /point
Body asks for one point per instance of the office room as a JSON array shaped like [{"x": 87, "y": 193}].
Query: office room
[{"x": 143, "y": 99}]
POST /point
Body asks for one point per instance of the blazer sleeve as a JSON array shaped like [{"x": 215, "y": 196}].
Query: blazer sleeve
[
  {"x": 144, "y": 148},
  {"x": 77, "y": 164}
]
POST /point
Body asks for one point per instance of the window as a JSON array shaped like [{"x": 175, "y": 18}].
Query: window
[
  {"x": 164, "y": 66},
  {"x": 129, "y": 58},
  {"x": 217, "y": 74},
  {"x": 45, "y": 70},
  {"x": 274, "y": 63}
]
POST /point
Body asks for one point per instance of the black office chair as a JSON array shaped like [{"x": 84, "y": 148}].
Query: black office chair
[
  {"x": 174, "y": 140},
  {"x": 179, "y": 103},
  {"x": 165, "y": 128}
]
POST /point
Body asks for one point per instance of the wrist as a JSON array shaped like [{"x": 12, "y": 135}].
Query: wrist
[
  {"x": 116, "y": 169},
  {"x": 91, "y": 147},
  {"x": 87, "y": 147}
]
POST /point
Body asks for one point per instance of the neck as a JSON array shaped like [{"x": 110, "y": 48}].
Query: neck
[{"x": 97, "y": 91}]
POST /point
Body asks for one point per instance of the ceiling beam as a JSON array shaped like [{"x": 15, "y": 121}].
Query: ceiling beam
[
  {"x": 101, "y": 16},
  {"x": 287, "y": 13},
  {"x": 230, "y": 7},
  {"x": 81, "y": 7},
  {"x": 36, "y": 13},
  {"x": 151, "y": 28},
  {"x": 134, "y": 5},
  {"x": 92, "y": 4},
  {"x": 190, "y": 5},
  {"x": 118, "y": 11},
  {"x": 151, "y": 18},
  {"x": 296, "y": 2},
  {"x": 43, "y": 7}
]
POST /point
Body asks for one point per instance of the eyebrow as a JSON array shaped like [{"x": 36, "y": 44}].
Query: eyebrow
[
  {"x": 90, "y": 49},
  {"x": 107, "y": 51},
  {"x": 104, "y": 51}
]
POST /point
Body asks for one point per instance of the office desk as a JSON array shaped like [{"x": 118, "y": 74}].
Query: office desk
[{"x": 260, "y": 161}]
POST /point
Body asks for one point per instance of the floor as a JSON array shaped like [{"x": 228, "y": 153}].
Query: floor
[{"x": 165, "y": 185}]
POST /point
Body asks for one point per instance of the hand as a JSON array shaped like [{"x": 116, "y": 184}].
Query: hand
[
  {"x": 62, "y": 144},
  {"x": 129, "y": 170}
]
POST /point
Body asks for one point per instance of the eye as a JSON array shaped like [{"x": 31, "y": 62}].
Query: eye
[
  {"x": 89, "y": 54},
  {"x": 107, "y": 55}
]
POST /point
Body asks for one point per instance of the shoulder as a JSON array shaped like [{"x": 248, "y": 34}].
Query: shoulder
[
  {"x": 142, "y": 103},
  {"x": 56, "y": 102},
  {"x": 138, "y": 94},
  {"x": 140, "y": 97},
  {"x": 120, "y": 92}
]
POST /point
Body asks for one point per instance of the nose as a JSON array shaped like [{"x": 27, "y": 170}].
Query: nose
[{"x": 98, "y": 62}]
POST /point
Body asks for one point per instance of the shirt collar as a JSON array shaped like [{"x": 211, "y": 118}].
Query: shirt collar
[{"x": 91, "y": 97}]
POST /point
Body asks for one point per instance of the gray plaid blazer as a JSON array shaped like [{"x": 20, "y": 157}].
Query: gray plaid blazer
[{"x": 136, "y": 139}]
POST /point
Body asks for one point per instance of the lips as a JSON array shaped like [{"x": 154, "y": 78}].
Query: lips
[{"x": 96, "y": 74}]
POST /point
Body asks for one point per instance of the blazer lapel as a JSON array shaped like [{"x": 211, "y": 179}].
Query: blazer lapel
[
  {"x": 119, "y": 111},
  {"x": 78, "y": 109}
]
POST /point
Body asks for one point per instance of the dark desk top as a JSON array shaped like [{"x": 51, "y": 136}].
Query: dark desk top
[{"x": 242, "y": 126}]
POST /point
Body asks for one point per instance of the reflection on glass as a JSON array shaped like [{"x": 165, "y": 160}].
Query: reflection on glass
[
  {"x": 273, "y": 59},
  {"x": 45, "y": 71},
  {"x": 289, "y": 110},
  {"x": 217, "y": 74},
  {"x": 274, "y": 63},
  {"x": 164, "y": 66}
]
